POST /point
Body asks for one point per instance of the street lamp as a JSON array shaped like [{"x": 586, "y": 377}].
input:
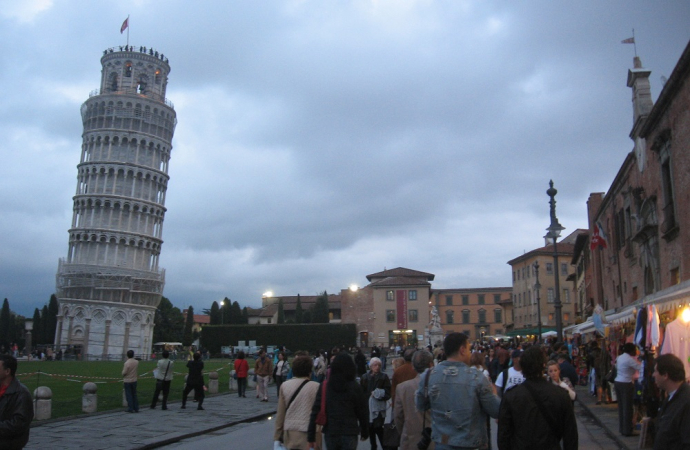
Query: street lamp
[
  {"x": 222, "y": 311},
  {"x": 537, "y": 286},
  {"x": 554, "y": 231}
]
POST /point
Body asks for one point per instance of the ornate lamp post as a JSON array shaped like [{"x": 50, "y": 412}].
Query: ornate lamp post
[
  {"x": 554, "y": 231},
  {"x": 537, "y": 286}
]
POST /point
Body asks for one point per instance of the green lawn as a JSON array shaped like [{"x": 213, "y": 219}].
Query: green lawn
[{"x": 66, "y": 380}]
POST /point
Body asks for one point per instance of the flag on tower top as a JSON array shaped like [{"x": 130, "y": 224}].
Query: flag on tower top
[
  {"x": 124, "y": 26},
  {"x": 628, "y": 41}
]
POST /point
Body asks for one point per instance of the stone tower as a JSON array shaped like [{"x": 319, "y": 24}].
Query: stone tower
[{"x": 109, "y": 285}]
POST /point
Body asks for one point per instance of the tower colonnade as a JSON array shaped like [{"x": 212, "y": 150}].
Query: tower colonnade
[{"x": 110, "y": 283}]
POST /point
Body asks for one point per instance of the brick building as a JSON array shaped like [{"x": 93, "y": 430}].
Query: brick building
[{"x": 645, "y": 215}]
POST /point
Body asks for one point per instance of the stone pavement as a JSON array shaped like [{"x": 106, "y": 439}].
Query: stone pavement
[
  {"x": 156, "y": 428},
  {"x": 607, "y": 417},
  {"x": 150, "y": 428}
]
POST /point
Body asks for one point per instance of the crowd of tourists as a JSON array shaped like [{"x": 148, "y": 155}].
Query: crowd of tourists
[{"x": 449, "y": 397}]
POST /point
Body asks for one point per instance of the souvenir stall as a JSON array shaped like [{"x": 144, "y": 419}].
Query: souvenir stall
[{"x": 661, "y": 325}]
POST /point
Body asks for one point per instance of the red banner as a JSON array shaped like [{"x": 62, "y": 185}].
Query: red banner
[{"x": 401, "y": 300}]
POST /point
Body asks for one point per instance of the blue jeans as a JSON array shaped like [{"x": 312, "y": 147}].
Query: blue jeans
[
  {"x": 131, "y": 395},
  {"x": 341, "y": 442}
]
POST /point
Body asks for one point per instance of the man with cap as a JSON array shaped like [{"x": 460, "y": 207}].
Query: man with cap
[{"x": 511, "y": 376}]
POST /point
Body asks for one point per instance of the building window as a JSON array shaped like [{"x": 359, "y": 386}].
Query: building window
[
  {"x": 412, "y": 315},
  {"x": 529, "y": 297},
  {"x": 482, "y": 316},
  {"x": 550, "y": 295},
  {"x": 566, "y": 317},
  {"x": 449, "y": 316},
  {"x": 390, "y": 296},
  {"x": 518, "y": 272},
  {"x": 449, "y": 300},
  {"x": 497, "y": 298},
  {"x": 551, "y": 317},
  {"x": 520, "y": 300},
  {"x": 412, "y": 295},
  {"x": 465, "y": 299},
  {"x": 390, "y": 315},
  {"x": 465, "y": 316},
  {"x": 513, "y": 275},
  {"x": 668, "y": 208},
  {"x": 564, "y": 269},
  {"x": 466, "y": 332},
  {"x": 481, "y": 299},
  {"x": 566, "y": 296},
  {"x": 128, "y": 69},
  {"x": 549, "y": 268}
]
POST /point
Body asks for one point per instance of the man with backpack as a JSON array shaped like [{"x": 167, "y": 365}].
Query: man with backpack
[{"x": 511, "y": 376}]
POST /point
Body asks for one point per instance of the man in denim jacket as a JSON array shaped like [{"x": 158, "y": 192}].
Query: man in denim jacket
[{"x": 459, "y": 397}]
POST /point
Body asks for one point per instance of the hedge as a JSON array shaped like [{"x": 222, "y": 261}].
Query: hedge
[{"x": 310, "y": 337}]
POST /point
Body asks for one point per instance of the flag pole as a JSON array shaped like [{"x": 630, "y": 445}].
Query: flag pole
[
  {"x": 634, "y": 42},
  {"x": 128, "y": 33}
]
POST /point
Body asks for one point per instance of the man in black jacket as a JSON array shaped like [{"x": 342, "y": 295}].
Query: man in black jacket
[
  {"x": 673, "y": 421},
  {"x": 536, "y": 414},
  {"x": 16, "y": 410}
]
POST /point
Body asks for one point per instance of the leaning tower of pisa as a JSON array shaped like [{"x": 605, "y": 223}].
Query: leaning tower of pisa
[{"x": 110, "y": 284}]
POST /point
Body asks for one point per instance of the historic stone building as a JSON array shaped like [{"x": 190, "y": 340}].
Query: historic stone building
[
  {"x": 477, "y": 312},
  {"x": 528, "y": 301},
  {"x": 109, "y": 285},
  {"x": 643, "y": 253}
]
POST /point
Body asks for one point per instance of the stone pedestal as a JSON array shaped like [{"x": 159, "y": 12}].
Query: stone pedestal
[
  {"x": 43, "y": 404},
  {"x": 89, "y": 401},
  {"x": 213, "y": 383},
  {"x": 232, "y": 383},
  {"x": 251, "y": 384}
]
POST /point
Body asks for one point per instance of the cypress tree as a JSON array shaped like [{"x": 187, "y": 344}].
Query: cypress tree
[
  {"x": 45, "y": 326},
  {"x": 214, "y": 314},
  {"x": 187, "y": 337},
  {"x": 5, "y": 324},
  {"x": 37, "y": 333}
]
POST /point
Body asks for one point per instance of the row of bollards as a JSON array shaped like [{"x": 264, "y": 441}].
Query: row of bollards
[{"x": 43, "y": 396}]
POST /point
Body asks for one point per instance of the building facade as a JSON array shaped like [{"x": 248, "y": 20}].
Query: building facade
[
  {"x": 475, "y": 312},
  {"x": 110, "y": 284},
  {"x": 644, "y": 217},
  {"x": 530, "y": 299}
]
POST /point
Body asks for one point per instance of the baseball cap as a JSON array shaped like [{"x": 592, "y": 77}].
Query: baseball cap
[{"x": 516, "y": 354}]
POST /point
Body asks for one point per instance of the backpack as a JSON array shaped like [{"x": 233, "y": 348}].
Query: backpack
[{"x": 504, "y": 374}]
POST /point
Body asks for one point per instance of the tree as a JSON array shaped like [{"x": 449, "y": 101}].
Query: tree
[
  {"x": 53, "y": 311},
  {"x": 320, "y": 309},
  {"x": 169, "y": 323},
  {"x": 245, "y": 315},
  {"x": 6, "y": 324},
  {"x": 227, "y": 312},
  {"x": 281, "y": 312},
  {"x": 307, "y": 315},
  {"x": 214, "y": 314},
  {"x": 37, "y": 332},
  {"x": 187, "y": 337},
  {"x": 45, "y": 326},
  {"x": 238, "y": 315},
  {"x": 299, "y": 312}
]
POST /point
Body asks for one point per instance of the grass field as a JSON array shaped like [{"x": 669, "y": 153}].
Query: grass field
[{"x": 66, "y": 380}]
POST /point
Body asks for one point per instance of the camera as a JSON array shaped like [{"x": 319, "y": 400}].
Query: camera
[{"x": 425, "y": 441}]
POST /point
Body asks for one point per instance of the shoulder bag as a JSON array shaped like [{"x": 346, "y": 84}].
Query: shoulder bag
[
  {"x": 549, "y": 418},
  {"x": 321, "y": 417}
]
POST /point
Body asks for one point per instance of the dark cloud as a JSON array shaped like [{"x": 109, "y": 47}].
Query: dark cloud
[{"x": 320, "y": 142}]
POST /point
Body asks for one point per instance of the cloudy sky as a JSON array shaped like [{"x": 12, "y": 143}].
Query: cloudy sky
[{"x": 321, "y": 141}]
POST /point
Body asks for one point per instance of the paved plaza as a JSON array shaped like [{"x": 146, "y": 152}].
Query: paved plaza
[{"x": 158, "y": 428}]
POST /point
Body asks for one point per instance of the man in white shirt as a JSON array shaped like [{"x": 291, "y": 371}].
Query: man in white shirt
[{"x": 512, "y": 376}]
